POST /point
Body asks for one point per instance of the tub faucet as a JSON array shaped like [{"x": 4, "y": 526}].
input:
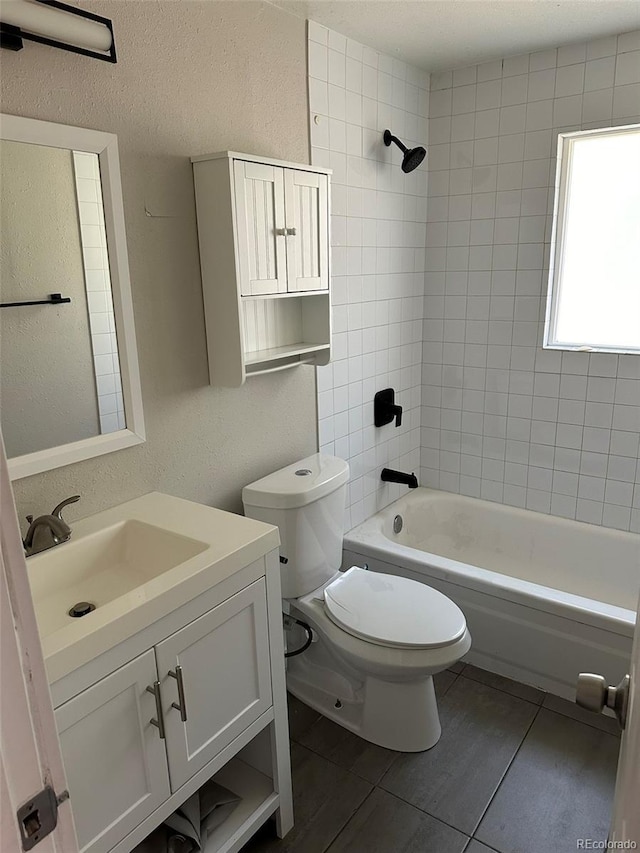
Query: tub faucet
[
  {"x": 46, "y": 531},
  {"x": 388, "y": 475}
]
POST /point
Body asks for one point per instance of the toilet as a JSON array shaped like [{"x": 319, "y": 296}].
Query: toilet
[{"x": 377, "y": 640}]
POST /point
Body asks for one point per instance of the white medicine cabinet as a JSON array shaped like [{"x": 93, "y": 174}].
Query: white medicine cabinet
[{"x": 264, "y": 253}]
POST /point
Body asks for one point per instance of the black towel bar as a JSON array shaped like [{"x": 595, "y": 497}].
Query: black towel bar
[{"x": 54, "y": 299}]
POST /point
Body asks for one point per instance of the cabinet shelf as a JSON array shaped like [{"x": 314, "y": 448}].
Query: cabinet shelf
[
  {"x": 295, "y": 295},
  {"x": 264, "y": 355},
  {"x": 259, "y": 801}
]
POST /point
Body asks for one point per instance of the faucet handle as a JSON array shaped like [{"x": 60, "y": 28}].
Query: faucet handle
[{"x": 57, "y": 512}]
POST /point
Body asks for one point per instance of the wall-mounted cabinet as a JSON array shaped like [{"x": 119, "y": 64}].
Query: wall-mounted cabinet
[{"x": 264, "y": 254}]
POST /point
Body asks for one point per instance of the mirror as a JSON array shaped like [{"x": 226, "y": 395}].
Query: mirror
[{"x": 69, "y": 379}]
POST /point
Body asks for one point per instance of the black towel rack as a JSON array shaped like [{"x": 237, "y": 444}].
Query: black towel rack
[{"x": 54, "y": 299}]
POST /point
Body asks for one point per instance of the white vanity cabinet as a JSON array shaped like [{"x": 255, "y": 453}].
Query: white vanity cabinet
[
  {"x": 263, "y": 228},
  {"x": 201, "y": 694},
  {"x": 116, "y": 764},
  {"x": 223, "y": 661}
]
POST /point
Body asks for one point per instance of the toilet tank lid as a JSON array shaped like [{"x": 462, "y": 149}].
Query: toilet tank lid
[{"x": 299, "y": 484}]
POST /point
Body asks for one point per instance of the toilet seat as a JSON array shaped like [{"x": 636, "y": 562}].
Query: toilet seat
[{"x": 393, "y": 611}]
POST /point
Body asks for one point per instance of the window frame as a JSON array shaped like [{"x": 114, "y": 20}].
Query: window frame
[{"x": 564, "y": 158}]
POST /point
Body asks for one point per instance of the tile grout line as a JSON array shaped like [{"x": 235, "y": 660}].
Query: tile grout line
[
  {"x": 424, "y": 811},
  {"x": 540, "y": 704},
  {"x": 583, "y": 722},
  {"x": 506, "y": 692},
  {"x": 508, "y": 767},
  {"x": 376, "y": 786},
  {"x": 349, "y": 819}
]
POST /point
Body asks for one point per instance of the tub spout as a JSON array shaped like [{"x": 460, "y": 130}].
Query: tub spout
[{"x": 388, "y": 475}]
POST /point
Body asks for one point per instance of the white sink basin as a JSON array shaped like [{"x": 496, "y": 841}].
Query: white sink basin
[
  {"x": 136, "y": 563},
  {"x": 101, "y": 567}
]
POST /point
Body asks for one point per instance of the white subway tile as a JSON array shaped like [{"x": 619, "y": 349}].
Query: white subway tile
[
  {"x": 629, "y": 41},
  {"x": 515, "y": 65},
  {"x": 543, "y": 59},
  {"x": 626, "y": 101}
]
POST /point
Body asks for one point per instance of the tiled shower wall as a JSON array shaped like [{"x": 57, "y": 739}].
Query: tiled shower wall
[
  {"x": 378, "y": 257},
  {"x": 98, "y": 283},
  {"x": 503, "y": 419}
]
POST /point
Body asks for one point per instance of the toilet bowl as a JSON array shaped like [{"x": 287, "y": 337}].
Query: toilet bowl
[
  {"x": 378, "y": 685},
  {"x": 377, "y": 639}
]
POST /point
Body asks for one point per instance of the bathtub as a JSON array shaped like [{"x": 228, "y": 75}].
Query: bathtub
[{"x": 544, "y": 597}]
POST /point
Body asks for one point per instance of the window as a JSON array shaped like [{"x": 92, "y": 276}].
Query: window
[{"x": 594, "y": 281}]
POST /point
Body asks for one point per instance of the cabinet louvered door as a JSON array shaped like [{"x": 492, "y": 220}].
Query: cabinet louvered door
[
  {"x": 259, "y": 196},
  {"x": 306, "y": 201}
]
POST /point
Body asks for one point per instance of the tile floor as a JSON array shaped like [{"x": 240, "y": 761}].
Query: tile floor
[{"x": 515, "y": 771}]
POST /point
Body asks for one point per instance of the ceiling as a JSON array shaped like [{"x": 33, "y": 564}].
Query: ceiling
[{"x": 442, "y": 34}]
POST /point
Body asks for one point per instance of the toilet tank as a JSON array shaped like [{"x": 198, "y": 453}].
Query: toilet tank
[{"x": 306, "y": 502}]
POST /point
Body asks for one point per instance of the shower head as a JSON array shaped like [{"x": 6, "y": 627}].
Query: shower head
[{"x": 412, "y": 156}]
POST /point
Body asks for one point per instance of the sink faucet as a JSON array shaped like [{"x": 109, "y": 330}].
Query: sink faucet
[
  {"x": 46, "y": 531},
  {"x": 388, "y": 475}
]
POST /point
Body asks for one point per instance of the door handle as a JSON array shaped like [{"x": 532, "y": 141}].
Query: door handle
[
  {"x": 291, "y": 232},
  {"x": 594, "y": 694},
  {"x": 281, "y": 232},
  {"x": 159, "y": 721},
  {"x": 181, "y": 704}
]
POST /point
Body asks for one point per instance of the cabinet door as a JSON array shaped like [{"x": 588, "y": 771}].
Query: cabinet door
[
  {"x": 226, "y": 676},
  {"x": 306, "y": 202},
  {"x": 259, "y": 195},
  {"x": 115, "y": 761}
]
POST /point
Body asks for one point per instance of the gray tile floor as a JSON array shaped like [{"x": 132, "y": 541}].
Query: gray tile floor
[{"x": 515, "y": 771}]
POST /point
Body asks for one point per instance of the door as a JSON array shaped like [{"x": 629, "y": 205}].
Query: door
[
  {"x": 30, "y": 756},
  {"x": 260, "y": 224},
  {"x": 216, "y": 680},
  {"x": 114, "y": 756},
  {"x": 307, "y": 204},
  {"x": 625, "y": 825}
]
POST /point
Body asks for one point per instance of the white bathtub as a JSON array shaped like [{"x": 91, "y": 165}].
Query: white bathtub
[{"x": 545, "y": 598}]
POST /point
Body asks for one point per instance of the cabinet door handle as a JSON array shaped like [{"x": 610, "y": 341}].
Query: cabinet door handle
[
  {"x": 159, "y": 721},
  {"x": 281, "y": 232},
  {"x": 182, "y": 707},
  {"x": 291, "y": 232}
]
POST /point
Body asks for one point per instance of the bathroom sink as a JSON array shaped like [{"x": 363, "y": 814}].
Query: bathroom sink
[
  {"x": 101, "y": 567},
  {"x": 135, "y": 564}
]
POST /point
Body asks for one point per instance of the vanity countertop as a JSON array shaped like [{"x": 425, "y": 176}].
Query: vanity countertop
[{"x": 137, "y": 562}]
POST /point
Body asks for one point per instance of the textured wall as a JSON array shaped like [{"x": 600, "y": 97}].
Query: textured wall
[
  {"x": 46, "y": 362},
  {"x": 190, "y": 78},
  {"x": 502, "y": 418},
  {"x": 378, "y": 237}
]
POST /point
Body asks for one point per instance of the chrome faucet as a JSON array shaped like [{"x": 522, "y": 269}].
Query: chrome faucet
[{"x": 46, "y": 531}]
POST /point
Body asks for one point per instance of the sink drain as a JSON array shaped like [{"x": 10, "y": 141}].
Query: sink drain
[{"x": 81, "y": 608}]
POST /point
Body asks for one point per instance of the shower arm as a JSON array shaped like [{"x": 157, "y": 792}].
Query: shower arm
[{"x": 389, "y": 138}]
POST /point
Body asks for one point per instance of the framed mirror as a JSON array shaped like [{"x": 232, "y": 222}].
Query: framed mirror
[{"x": 69, "y": 377}]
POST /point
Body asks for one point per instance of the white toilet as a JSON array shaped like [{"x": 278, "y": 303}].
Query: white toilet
[{"x": 378, "y": 639}]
